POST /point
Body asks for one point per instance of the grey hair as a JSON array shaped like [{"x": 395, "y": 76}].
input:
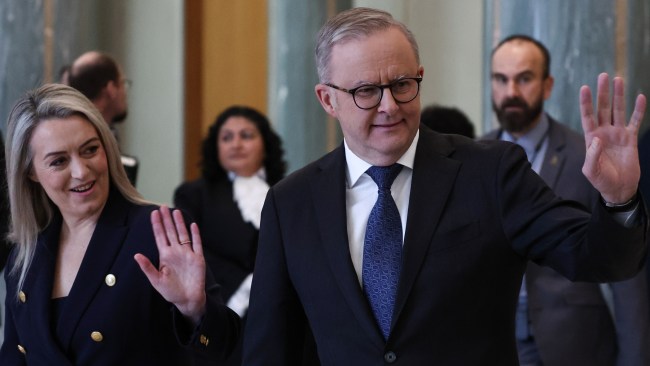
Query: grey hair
[
  {"x": 31, "y": 209},
  {"x": 355, "y": 23}
]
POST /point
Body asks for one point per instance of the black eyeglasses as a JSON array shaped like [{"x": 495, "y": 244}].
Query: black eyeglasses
[{"x": 369, "y": 96}]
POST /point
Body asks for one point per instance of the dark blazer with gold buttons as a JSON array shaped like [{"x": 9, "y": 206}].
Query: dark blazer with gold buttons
[{"x": 112, "y": 315}]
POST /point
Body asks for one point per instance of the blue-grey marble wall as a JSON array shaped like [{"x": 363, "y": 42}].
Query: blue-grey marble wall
[
  {"x": 584, "y": 37},
  {"x": 638, "y": 61},
  {"x": 24, "y": 51},
  {"x": 21, "y": 51},
  {"x": 293, "y": 107}
]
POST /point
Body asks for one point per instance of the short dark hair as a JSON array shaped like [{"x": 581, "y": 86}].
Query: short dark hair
[
  {"x": 447, "y": 120},
  {"x": 92, "y": 77},
  {"x": 274, "y": 163},
  {"x": 546, "y": 71}
]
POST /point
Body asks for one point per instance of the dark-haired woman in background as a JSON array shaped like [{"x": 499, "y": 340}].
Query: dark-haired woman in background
[{"x": 241, "y": 157}]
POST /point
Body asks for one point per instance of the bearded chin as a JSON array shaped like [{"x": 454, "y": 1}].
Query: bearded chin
[{"x": 515, "y": 122}]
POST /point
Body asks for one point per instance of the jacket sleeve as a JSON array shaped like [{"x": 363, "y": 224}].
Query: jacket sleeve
[
  {"x": 276, "y": 328},
  {"x": 216, "y": 335},
  {"x": 218, "y": 332},
  {"x": 632, "y": 323},
  {"x": 562, "y": 234}
]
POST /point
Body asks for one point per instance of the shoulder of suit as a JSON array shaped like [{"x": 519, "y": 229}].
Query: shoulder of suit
[
  {"x": 119, "y": 209},
  {"x": 192, "y": 185},
  {"x": 573, "y": 140}
]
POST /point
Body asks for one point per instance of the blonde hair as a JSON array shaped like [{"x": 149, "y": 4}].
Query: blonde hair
[{"x": 31, "y": 209}]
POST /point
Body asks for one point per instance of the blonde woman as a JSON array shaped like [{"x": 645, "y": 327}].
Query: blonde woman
[{"x": 97, "y": 275}]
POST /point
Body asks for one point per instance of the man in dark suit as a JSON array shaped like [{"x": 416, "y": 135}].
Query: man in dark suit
[
  {"x": 560, "y": 322},
  {"x": 471, "y": 214},
  {"x": 98, "y": 76}
]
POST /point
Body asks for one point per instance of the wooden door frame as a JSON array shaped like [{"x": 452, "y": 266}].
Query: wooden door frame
[{"x": 193, "y": 102}]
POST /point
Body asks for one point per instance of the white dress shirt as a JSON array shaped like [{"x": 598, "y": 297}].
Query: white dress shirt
[{"x": 361, "y": 194}]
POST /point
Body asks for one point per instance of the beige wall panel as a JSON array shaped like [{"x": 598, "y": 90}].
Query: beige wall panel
[{"x": 234, "y": 56}]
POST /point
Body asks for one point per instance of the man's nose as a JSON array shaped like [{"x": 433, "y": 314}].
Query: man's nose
[
  {"x": 512, "y": 88},
  {"x": 387, "y": 103}
]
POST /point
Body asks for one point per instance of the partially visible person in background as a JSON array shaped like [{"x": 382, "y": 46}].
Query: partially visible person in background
[
  {"x": 242, "y": 156},
  {"x": 64, "y": 74},
  {"x": 93, "y": 278},
  {"x": 447, "y": 120},
  {"x": 98, "y": 76},
  {"x": 561, "y": 322}
]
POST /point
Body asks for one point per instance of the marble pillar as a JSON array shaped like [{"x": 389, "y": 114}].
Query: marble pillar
[
  {"x": 305, "y": 128},
  {"x": 38, "y": 37}
]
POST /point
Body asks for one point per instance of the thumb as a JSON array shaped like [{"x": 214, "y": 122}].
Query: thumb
[
  {"x": 590, "y": 167},
  {"x": 147, "y": 268}
]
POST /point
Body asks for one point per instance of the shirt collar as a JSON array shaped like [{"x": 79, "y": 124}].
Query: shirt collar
[
  {"x": 260, "y": 173},
  {"x": 532, "y": 139},
  {"x": 357, "y": 166}
]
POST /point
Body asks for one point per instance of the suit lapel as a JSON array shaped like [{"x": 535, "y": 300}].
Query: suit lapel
[
  {"x": 433, "y": 172},
  {"x": 555, "y": 156},
  {"x": 104, "y": 246},
  {"x": 38, "y": 288},
  {"x": 332, "y": 227}
]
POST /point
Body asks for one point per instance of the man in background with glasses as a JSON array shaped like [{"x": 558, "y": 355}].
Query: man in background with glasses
[
  {"x": 404, "y": 246},
  {"x": 97, "y": 76}
]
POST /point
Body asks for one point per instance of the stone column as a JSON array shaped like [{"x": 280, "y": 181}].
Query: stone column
[{"x": 305, "y": 128}]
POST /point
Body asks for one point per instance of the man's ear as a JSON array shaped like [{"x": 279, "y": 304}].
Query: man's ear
[
  {"x": 548, "y": 87},
  {"x": 326, "y": 97},
  {"x": 111, "y": 89}
]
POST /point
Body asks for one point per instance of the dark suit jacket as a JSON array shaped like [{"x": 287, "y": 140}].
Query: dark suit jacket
[
  {"x": 477, "y": 213},
  {"x": 571, "y": 321},
  {"x": 229, "y": 242},
  {"x": 138, "y": 326}
]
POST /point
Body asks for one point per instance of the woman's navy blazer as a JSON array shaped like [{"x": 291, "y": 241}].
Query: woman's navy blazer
[{"x": 112, "y": 315}]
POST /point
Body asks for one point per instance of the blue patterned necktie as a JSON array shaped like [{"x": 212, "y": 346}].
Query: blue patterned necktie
[{"x": 382, "y": 248}]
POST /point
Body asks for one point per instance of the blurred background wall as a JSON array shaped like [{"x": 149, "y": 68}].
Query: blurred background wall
[
  {"x": 190, "y": 59},
  {"x": 584, "y": 37}
]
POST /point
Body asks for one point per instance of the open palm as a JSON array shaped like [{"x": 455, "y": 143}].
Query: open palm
[
  {"x": 612, "y": 159},
  {"x": 180, "y": 276}
]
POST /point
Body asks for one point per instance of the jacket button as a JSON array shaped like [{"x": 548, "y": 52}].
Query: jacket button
[
  {"x": 110, "y": 280},
  {"x": 96, "y": 336},
  {"x": 390, "y": 357},
  {"x": 204, "y": 340},
  {"x": 22, "y": 297},
  {"x": 22, "y": 349}
]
